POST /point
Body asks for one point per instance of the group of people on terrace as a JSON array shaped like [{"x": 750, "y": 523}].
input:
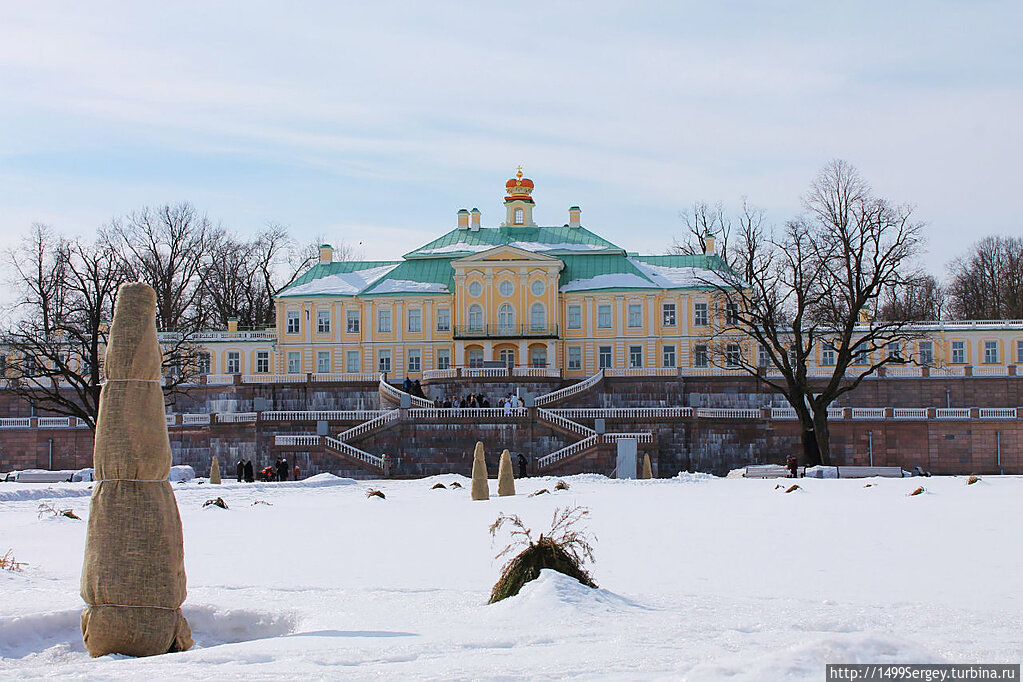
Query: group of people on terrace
[{"x": 507, "y": 401}]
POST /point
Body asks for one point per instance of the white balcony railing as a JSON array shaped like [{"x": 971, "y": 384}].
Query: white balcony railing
[
  {"x": 297, "y": 440},
  {"x": 15, "y": 422},
  {"x": 319, "y": 415},
  {"x": 624, "y": 412},
  {"x": 421, "y": 413},
  {"x": 728, "y": 413},
  {"x": 568, "y": 391},
  {"x": 195, "y": 419},
  {"x": 909, "y": 413},
  {"x": 228, "y": 417},
  {"x": 997, "y": 413},
  {"x": 952, "y": 413}
]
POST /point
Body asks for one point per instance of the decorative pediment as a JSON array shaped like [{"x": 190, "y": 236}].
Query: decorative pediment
[{"x": 504, "y": 255}]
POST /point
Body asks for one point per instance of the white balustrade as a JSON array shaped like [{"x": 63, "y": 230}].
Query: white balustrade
[
  {"x": 998, "y": 413},
  {"x": 566, "y": 424},
  {"x": 195, "y": 419},
  {"x": 570, "y": 390},
  {"x": 783, "y": 413},
  {"x": 297, "y": 440},
  {"x": 395, "y": 394},
  {"x": 482, "y": 372},
  {"x": 990, "y": 371},
  {"x": 728, "y": 413},
  {"x": 539, "y": 372},
  {"x": 227, "y": 417},
  {"x": 624, "y": 412},
  {"x": 219, "y": 379},
  {"x": 171, "y": 419},
  {"x": 568, "y": 451},
  {"x": 354, "y": 452},
  {"x": 367, "y": 426},
  {"x": 952, "y": 413},
  {"x": 273, "y": 378},
  {"x": 448, "y": 373},
  {"x": 319, "y": 415},
  {"x": 462, "y": 412},
  {"x": 868, "y": 413},
  {"x": 15, "y": 422},
  {"x": 910, "y": 413},
  {"x": 345, "y": 377},
  {"x": 641, "y": 437},
  {"x": 57, "y": 422}
]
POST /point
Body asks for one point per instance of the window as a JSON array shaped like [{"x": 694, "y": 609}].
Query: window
[
  {"x": 383, "y": 320},
  {"x": 700, "y": 314},
  {"x": 507, "y": 357},
  {"x": 294, "y": 362},
  {"x": 575, "y": 317},
  {"x": 635, "y": 315},
  {"x": 733, "y": 355},
  {"x": 538, "y": 356},
  {"x": 204, "y": 363},
  {"x": 506, "y": 318},
  {"x": 927, "y": 352},
  {"x": 506, "y": 288},
  {"x": 234, "y": 362},
  {"x": 352, "y": 362},
  {"x": 1019, "y": 351},
  {"x": 415, "y": 320},
  {"x": 828, "y": 356},
  {"x": 353, "y": 321},
  {"x": 476, "y": 357},
  {"x": 763, "y": 359},
  {"x": 443, "y": 358},
  {"x": 894, "y": 350},
  {"x": 860, "y": 354},
  {"x": 384, "y": 361},
  {"x": 537, "y": 317},
  {"x": 668, "y": 315},
  {"x": 701, "y": 358},
  {"x": 293, "y": 322},
  {"x": 635, "y": 356},
  {"x": 475, "y": 289},
  {"x": 575, "y": 358},
  {"x": 262, "y": 362},
  {"x": 732, "y": 314},
  {"x": 323, "y": 362},
  {"x": 990, "y": 352},
  {"x": 322, "y": 321},
  {"x": 668, "y": 356},
  {"x": 443, "y": 320},
  {"x": 475, "y": 318},
  {"x": 604, "y": 357},
  {"x": 174, "y": 369},
  {"x": 415, "y": 360},
  {"x": 604, "y": 316},
  {"x": 959, "y": 352},
  {"x": 519, "y": 216},
  {"x": 538, "y": 287}
]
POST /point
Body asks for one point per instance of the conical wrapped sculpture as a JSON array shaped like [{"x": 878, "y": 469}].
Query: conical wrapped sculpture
[
  {"x": 505, "y": 477},
  {"x": 647, "y": 471},
  {"x": 480, "y": 487},
  {"x": 215, "y": 471},
  {"x": 133, "y": 576}
]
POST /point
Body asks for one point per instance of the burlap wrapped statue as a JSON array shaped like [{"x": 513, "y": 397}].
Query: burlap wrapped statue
[
  {"x": 480, "y": 486},
  {"x": 505, "y": 476},
  {"x": 215, "y": 471},
  {"x": 133, "y": 577},
  {"x": 647, "y": 470}
]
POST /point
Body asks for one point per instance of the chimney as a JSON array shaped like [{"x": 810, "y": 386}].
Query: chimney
[
  {"x": 463, "y": 219},
  {"x": 232, "y": 323},
  {"x": 574, "y": 212},
  {"x": 475, "y": 220},
  {"x": 326, "y": 253},
  {"x": 709, "y": 245}
]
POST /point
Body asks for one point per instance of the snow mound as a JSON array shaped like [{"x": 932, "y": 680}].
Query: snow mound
[
  {"x": 554, "y": 596},
  {"x": 807, "y": 661},
  {"x": 181, "y": 472},
  {"x": 323, "y": 481},
  {"x": 22, "y": 494},
  {"x": 697, "y": 477},
  {"x": 57, "y": 635}
]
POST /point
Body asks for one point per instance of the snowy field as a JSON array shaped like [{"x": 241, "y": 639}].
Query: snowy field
[{"x": 700, "y": 579}]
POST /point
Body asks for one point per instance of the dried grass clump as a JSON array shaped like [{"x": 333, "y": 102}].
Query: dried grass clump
[
  {"x": 456, "y": 484},
  {"x": 564, "y": 548},
  {"x": 8, "y": 562},
  {"x": 792, "y": 488},
  {"x": 918, "y": 491},
  {"x": 218, "y": 502},
  {"x": 541, "y": 491},
  {"x": 439, "y": 485},
  {"x": 869, "y": 485},
  {"x": 269, "y": 504},
  {"x": 45, "y": 509},
  {"x": 376, "y": 493},
  {"x": 561, "y": 485},
  {"x": 972, "y": 479}
]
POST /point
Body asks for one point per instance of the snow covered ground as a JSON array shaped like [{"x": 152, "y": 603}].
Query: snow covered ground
[{"x": 701, "y": 579}]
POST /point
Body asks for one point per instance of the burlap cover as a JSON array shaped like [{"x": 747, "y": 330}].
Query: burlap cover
[
  {"x": 505, "y": 476},
  {"x": 480, "y": 487},
  {"x": 133, "y": 576}
]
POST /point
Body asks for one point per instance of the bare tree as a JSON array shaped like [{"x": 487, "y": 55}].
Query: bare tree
[
  {"x": 699, "y": 223},
  {"x": 987, "y": 283},
  {"x": 57, "y": 331},
  {"x": 815, "y": 285},
  {"x": 920, "y": 299}
]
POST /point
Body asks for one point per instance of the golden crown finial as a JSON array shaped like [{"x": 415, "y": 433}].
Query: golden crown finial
[{"x": 518, "y": 171}]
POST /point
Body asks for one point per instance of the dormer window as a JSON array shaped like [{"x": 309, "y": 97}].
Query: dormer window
[{"x": 519, "y": 216}]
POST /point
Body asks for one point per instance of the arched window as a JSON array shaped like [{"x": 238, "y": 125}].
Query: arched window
[
  {"x": 537, "y": 317},
  {"x": 506, "y": 318},
  {"x": 475, "y": 318},
  {"x": 519, "y": 216}
]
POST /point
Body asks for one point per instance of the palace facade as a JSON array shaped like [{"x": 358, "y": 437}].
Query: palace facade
[{"x": 545, "y": 299}]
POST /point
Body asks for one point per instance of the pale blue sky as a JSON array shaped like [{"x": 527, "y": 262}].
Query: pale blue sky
[{"x": 375, "y": 122}]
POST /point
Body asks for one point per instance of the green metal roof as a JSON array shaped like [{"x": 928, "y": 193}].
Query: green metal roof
[
  {"x": 462, "y": 241},
  {"x": 334, "y": 268},
  {"x": 586, "y": 267},
  {"x": 436, "y": 271},
  {"x": 712, "y": 262}
]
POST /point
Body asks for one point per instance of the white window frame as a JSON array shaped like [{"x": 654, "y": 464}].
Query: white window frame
[
  {"x": 475, "y": 318},
  {"x": 575, "y": 317},
  {"x": 293, "y": 322},
  {"x": 669, "y": 356},
  {"x": 926, "y": 351},
  {"x": 537, "y": 317},
  {"x": 443, "y": 319},
  {"x": 384, "y": 360},
  {"x": 414, "y": 360},
  {"x": 443, "y": 358},
  {"x": 604, "y": 317},
  {"x": 384, "y": 320},
  {"x": 700, "y": 315},
  {"x": 353, "y": 363},
  {"x": 323, "y": 362},
  {"x": 352, "y": 321},
  {"x": 701, "y": 355},
  {"x": 415, "y": 320},
  {"x": 635, "y": 315},
  {"x": 204, "y": 363},
  {"x": 991, "y": 354},
  {"x": 575, "y": 357},
  {"x": 958, "y": 352},
  {"x": 506, "y": 318},
  {"x": 262, "y": 362},
  {"x": 294, "y": 362},
  {"x": 733, "y": 355},
  {"x": 636, "y": 356},
  {"x": 669, "y": 318},
  {"x": 322, "y": 321},
  {"x": 605, "y": 357},
  {"x": 233, "y": 363}
]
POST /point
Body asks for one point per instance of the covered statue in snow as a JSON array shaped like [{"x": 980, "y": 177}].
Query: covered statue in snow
[
  {"x": 133, "y": 576},
  {"x": 480, "y": 486}
]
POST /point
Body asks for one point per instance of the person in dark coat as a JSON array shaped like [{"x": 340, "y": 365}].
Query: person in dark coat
[
  {"x": 250, "y": 476},
  {"x": 792, "y": 464},
  {"x": 282, "y": 469},
  {"x": 408, "y": 385},
  {"x": 240, "y": 470},
  {"x": 417, "y": 389},
  {"x": 523, "y": 465}
]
